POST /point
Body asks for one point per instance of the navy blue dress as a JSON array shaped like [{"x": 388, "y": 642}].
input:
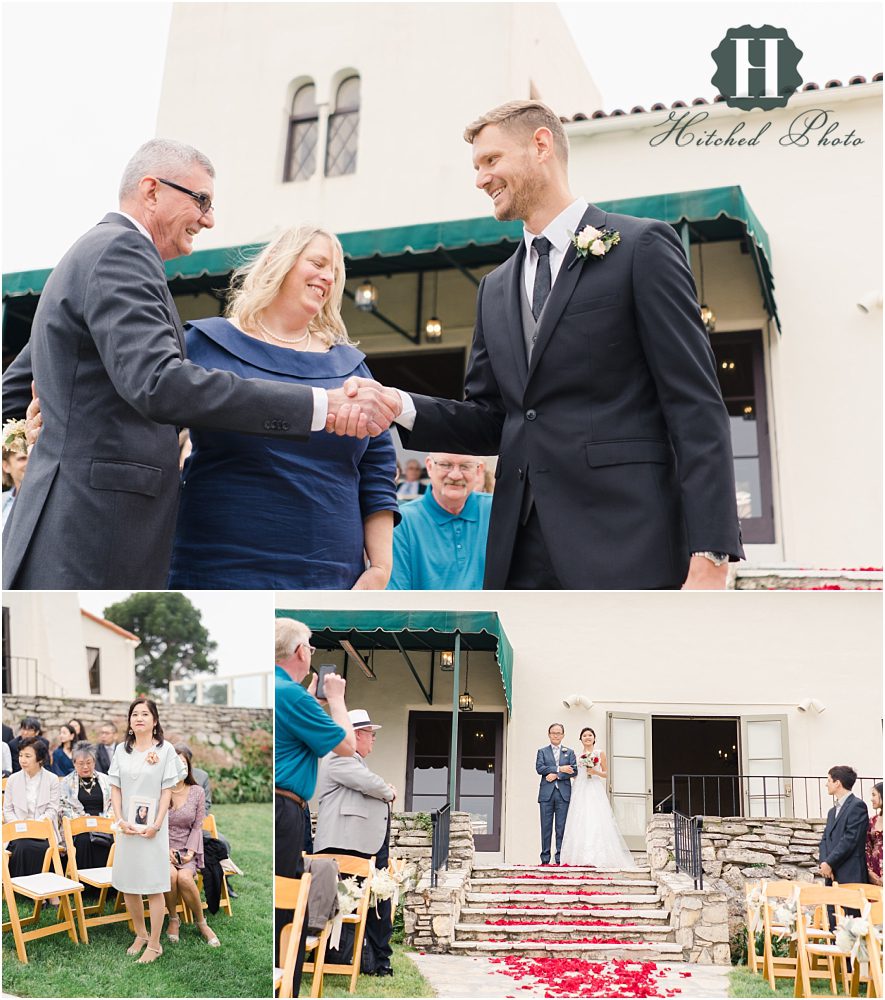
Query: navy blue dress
[{"x": 262, "y": 513}]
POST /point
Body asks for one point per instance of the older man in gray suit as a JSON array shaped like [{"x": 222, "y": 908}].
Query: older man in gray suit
[
  {"x": 98, "y": 507},
  {"x": 353, "y": 817}
]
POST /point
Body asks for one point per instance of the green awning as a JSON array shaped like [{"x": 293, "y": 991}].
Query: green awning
[
  {"x": 713, "y": 215},
  {"x": 480, "y": 630}
]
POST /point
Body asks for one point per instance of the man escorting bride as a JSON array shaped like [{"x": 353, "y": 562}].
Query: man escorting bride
[{"x": 588, "y": 833}]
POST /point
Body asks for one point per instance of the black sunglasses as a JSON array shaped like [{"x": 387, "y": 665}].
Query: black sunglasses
[{"x": 203, "y": 200}]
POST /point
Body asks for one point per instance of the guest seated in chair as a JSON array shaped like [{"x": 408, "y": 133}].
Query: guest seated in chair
[
  {"x": 87, "y": 792},
  {"x": 31, "y": 793},
  {"x": 62, "y": 755},
  {"x": 186, "y": 815}
]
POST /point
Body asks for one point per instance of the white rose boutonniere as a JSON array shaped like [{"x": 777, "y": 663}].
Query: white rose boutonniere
[{"x": 595, "y": 242}]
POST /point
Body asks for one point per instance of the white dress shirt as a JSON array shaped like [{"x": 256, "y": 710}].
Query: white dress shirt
[{"x": 559, "y": 232}]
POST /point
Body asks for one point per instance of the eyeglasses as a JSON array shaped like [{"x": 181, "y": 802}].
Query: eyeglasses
[
  {"x": 463, "y": 467},
  {"x": 312, "y": 649},
  {"x": 203, "y": 200}
]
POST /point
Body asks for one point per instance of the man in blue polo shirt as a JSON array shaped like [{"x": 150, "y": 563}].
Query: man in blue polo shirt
[
  {"x": 440, "y": 544},
  {"x": 302, "y": 734}
]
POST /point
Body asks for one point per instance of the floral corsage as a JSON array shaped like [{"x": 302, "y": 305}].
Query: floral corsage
[
  {"x": 153, "y": 757},
  {"x": 591, "y": 242}
]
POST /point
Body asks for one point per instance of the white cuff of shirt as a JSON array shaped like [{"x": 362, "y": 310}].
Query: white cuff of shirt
[
  {"x": 320, "y": 409},
  {"x": 407, "y": 417}
]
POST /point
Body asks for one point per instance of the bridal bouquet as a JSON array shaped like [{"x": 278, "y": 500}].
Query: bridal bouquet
[{"x": 590, "y": 759}]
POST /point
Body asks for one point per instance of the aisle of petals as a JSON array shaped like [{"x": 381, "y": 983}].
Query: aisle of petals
[
  {"x": 573, "y": 977},
  {"x": 533, "y": 923}
]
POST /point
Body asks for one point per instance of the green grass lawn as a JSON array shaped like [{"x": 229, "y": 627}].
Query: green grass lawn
[
  {"x": 241, "y": 967},
  {"x": 406, "y": 981},
  {"x": 745, "y": 984}
]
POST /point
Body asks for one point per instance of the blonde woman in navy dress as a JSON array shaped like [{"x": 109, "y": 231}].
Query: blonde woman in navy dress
[{"x": 145, "y": 767}]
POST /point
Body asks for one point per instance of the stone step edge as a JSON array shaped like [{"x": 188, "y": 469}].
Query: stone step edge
[
  {"x": 576, "y": 929},
  {"x": 669, "y": 947},
  {"x": 556, "y": 869},
  {"x": 660, "y": 918},
  {"x": 566, "y": 883},
  {"x": 602, "y": 901}
]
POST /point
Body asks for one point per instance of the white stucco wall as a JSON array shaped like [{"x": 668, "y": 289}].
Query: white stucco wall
[
  {"x": 47, "y": 627},
  {"x": 426, "y": 71},
  {"x": 709, "y": 655},
  {"x": 117, "y": 674}
]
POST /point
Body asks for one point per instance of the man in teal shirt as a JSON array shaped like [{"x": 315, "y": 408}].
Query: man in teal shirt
[
  {"x": 302, "y": 734},
  {"x": 440, "y": 544}
]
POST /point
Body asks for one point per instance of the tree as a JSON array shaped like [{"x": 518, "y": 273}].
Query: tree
[{"x": 175, "y": 644}]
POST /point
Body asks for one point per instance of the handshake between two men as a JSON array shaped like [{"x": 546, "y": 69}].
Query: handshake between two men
[{"x": 362, "y": 408}]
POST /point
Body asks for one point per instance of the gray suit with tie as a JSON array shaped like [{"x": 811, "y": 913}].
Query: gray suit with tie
[{"x": 97, "y": 507}]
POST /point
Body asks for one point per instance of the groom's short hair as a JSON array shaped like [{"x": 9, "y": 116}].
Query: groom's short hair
[
  {"x": 845, "y": 775},
  {"x": 525, "y": 117}
]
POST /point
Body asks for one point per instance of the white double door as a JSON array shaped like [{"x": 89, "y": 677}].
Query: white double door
[{"x": 763, "y": 757}]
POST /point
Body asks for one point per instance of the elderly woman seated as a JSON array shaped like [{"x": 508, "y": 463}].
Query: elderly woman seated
[
  {"x": 186, "y": 815},
  {"x": 87, "y": 792},
  {"x": 31, "y": 793}
]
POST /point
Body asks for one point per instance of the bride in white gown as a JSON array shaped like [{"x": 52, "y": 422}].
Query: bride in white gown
[{"x": 591, "y": 835}]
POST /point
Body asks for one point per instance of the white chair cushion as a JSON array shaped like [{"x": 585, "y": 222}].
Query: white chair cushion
[
  {"x": 96, "y": 876},
  {"x": 311, "y": 942},
  {"x": 824, "y": 949},
  {"x": 45, "y": 884}
]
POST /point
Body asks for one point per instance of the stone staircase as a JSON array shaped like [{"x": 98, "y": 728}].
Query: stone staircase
[{"x": 560, "y": 910}]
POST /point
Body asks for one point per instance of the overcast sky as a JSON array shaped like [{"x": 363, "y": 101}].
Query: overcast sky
[
  {"x": 241, "y": 622},
  {"x": 74, "y": 113}
]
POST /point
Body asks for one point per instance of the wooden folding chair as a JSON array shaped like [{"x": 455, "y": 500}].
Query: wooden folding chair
[
  {"x": 44, "y": 885},
  {"x": 873, "y": 975},
  {"x": 776, "y": 967},
  {"x": 98, "y": 878},
  {"x": 290, "y": 894},
  {"x": 362, "y": 868},
  {"x": 210, "y": 827},
  {"x": 807, "y": 948}
]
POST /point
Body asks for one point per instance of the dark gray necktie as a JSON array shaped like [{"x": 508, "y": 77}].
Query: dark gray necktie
[{"x": 542, "y": 275}]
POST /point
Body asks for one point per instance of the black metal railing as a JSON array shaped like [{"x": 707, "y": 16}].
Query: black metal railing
[
  {"x": 775, "y": 796},
  {"x": 687, "y": 839},
  {"x": 441, "y": 824}
]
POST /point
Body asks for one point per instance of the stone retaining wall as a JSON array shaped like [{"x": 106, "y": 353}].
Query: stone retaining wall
[
  {"x": 737, "y": 850},
  {"x": 431, "y": 914},
  {"x": 214, "y": 732},
  {"x": 699, "y": 917},
  {"x": 410, "y": 838}
]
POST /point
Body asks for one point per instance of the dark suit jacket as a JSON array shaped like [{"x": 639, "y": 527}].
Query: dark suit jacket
[
  {"x": 844, "y": 841},
  {"x": 618, "y": 421},
  {"x": 103, "y": 757},
  {"x": 545, "y": 764},
  {"x": 98, "y": 504}
]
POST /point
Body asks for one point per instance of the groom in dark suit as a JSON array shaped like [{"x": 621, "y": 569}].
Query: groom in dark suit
[
  {"x": 557, "y": 765},
  {"x": 842, "y": 847},
  {"x": 97, "y": 508},
  {"x": 591, "y": 376}
]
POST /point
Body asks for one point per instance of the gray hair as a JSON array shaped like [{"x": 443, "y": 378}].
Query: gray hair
[
  {"x": 290, "y": 634},
  {"x": 161, "y": 156},
  {"x": 83, "y": 749}
]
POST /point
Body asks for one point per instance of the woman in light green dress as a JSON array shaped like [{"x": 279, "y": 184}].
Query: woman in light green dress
[{"x": 142, "y": 774}]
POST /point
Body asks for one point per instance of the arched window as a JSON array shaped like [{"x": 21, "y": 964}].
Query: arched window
[
  {"x": 301, "y": 149},
  {"x": 343, "y": 125}
]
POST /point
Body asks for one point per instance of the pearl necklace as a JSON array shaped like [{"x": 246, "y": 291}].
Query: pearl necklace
[{"x": 284, "y": 340}]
